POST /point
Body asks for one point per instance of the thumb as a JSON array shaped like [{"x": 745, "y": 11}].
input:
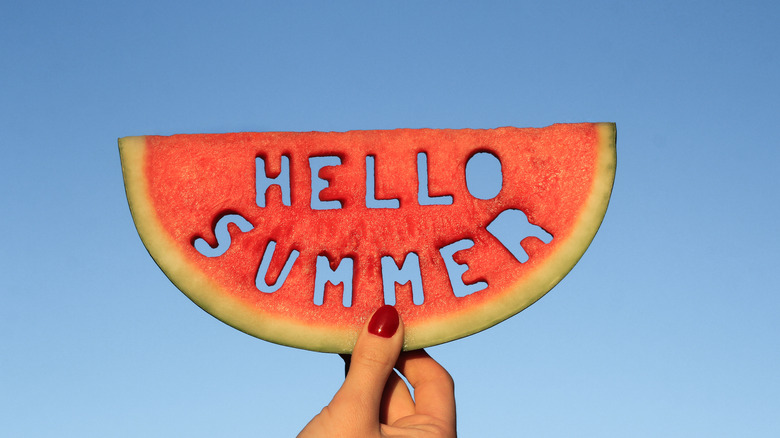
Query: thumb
[{"x": 376, "y": 352}]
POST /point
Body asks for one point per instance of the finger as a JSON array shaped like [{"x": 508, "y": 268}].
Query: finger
[
  {"x": 371, "y": 362},
  {"x": 397, "y": 401},
  {"x": 434, "y": 390}
]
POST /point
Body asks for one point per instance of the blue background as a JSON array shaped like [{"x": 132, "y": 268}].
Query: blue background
[{"x": 667, "y": 327}]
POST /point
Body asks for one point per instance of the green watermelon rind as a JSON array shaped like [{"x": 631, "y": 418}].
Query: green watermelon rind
[
  {"x": 529, "y": 289},
  {"x": 433, "y": 331},
  {"x": 197, "y": 286}
]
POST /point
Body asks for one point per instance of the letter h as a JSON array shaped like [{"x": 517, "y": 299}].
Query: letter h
[{"x": 263, "y": 182}]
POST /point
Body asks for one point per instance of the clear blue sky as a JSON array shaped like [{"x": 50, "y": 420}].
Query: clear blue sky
[{"x": 667, "y": 327}]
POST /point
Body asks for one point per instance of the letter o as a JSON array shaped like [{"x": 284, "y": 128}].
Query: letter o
[{"x": 484, "y": 178}]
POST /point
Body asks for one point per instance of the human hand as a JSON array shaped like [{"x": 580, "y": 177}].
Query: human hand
[{"x": 375, "y": 402}]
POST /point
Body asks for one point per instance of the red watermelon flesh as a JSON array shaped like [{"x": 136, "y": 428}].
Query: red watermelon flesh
[{"x": 178, "y": 187}]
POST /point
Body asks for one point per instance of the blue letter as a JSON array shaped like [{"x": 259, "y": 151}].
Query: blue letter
[
  {"x": 342, "y": 274},
  {"x": 456, "y": 270},
  {"x": 263, "y": 182},
  {"x": 262, "y": 271},
  {"x": 318, "y": 184},
  {"x": 409, "y": 272},
  {"x": 511, "y": 226},
  {"x": 371, "y": 201},
  {"x": 423, "y": 197},
  {"x": 483, "y": 175},
  {"x": 222, "y": 235}
]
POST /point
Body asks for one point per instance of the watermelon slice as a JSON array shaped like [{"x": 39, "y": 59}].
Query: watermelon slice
[{"x": 297, "y": 238}]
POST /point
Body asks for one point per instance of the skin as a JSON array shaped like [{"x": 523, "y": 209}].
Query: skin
[{"x": 375, "y": 402}]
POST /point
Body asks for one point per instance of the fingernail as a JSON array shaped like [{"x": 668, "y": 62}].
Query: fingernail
[{"x": 384, "y": 323}]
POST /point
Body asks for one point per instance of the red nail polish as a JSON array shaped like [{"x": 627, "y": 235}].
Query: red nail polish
[{"x": 384, "y": 323}]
